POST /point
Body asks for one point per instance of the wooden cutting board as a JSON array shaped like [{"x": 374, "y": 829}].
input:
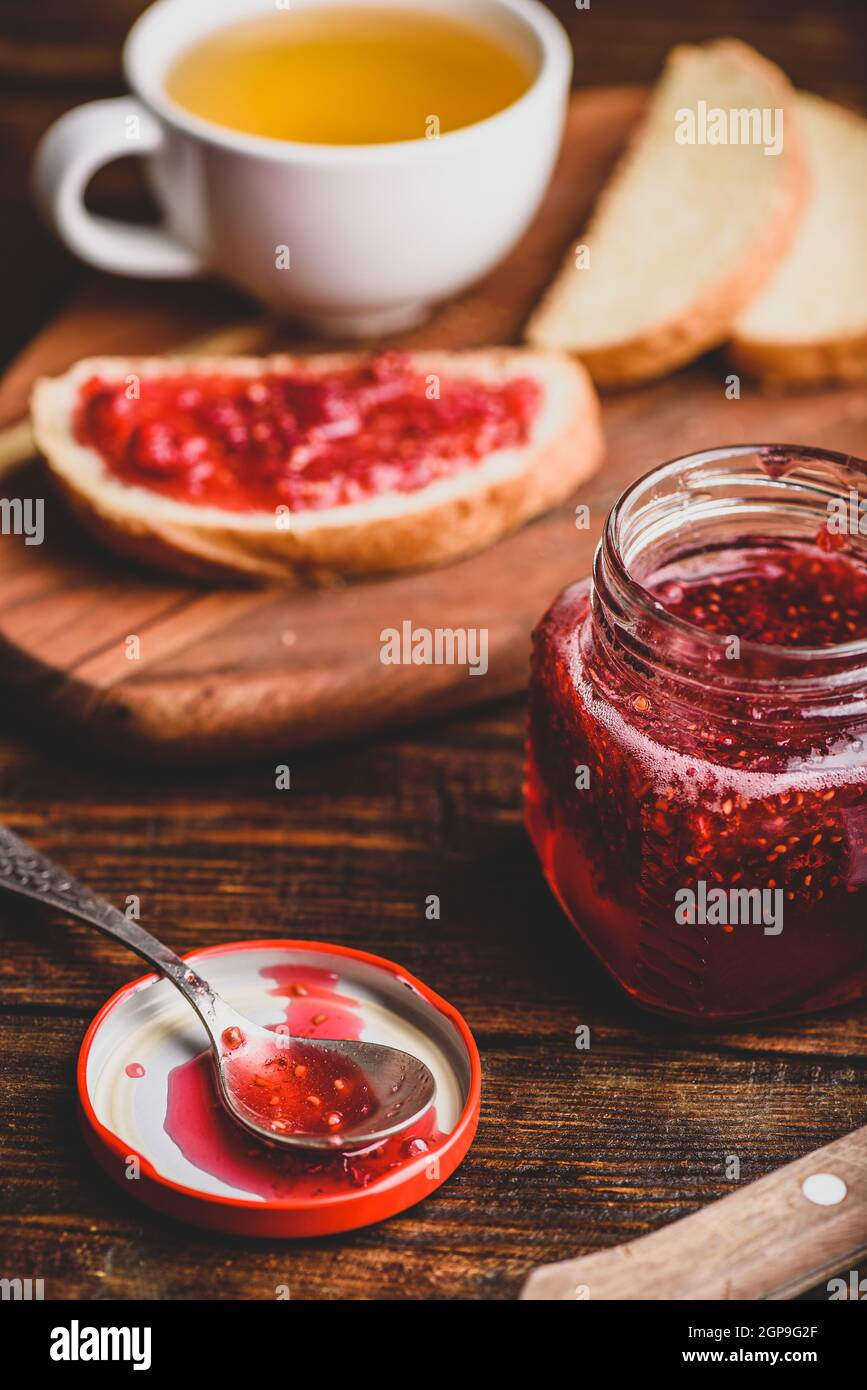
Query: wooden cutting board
[{"x": 229, "y": 671}]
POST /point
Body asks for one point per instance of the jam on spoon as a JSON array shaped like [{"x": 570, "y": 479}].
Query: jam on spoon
[
  {"x": 200, "y": 1126},
  {"x": 296, "y": 1087},
  {"x": 389, "y": 1089}
]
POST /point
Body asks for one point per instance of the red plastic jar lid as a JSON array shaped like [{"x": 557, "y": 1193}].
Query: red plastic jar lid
[{"x": 153, "y": 1121}]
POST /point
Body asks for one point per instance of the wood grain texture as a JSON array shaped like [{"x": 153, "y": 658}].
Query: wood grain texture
[
  {"x": 226, "y": 672},
  {"x": 576, "y": 1151},
  {"x": 770, "y": 1240}
]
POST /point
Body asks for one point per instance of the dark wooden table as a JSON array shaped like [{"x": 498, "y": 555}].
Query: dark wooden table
[{"x": 576, "y": 1150}]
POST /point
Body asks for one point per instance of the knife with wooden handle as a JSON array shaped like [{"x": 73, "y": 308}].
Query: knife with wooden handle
[{"x": 772, "y": 1239}]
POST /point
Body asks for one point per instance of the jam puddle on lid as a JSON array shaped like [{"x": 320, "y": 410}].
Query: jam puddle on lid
[{"x": 209, "y": 1139}]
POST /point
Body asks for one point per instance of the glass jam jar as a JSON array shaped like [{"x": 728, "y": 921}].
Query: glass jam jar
[{"x": 697, "y": 754}]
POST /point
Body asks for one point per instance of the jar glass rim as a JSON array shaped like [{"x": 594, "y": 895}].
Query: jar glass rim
[{"x": 776, "y": 462}]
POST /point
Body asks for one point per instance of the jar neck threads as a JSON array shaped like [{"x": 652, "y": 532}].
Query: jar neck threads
[{"x": 729, "y": 498}]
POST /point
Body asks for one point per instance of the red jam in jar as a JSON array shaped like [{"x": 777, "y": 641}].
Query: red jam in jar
[
  {"x": 299, "y": 440},
  {"x": 697, "y": 753}
]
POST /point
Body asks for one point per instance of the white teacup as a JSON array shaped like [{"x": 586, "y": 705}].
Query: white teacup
[{"x": 374, "y": 235}]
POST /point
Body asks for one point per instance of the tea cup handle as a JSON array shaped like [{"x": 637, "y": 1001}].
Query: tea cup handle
[{"x": 68, "y": 156}]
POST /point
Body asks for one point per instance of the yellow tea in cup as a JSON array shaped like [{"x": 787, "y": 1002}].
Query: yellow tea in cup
[{"x": 346, "y": 76}]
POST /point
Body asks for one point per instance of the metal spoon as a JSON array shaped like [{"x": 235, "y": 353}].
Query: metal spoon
[{"x": 402, "y": 1087}]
